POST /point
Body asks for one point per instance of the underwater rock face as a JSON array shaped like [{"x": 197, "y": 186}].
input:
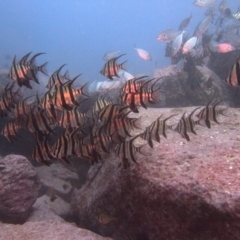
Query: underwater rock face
[
  {"x": 57, "y": 177},
  {"x": 45, "y": 230},
  {"x": 185, "y": 190},
  {"x": 19, "y": 187},
  {"x": 182, "y": 89},
  {"x": 58, "y": 206},
  {"x": 40, "y": 213}
]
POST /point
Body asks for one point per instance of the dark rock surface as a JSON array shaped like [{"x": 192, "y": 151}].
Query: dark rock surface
[
  {"x": 46, "y": 230},
  {"x": 19, "y": 187},
  {"x": 184, "y": 190},
  {"x": 183, "y": 90},
  {"x": 57, "y": 177}
]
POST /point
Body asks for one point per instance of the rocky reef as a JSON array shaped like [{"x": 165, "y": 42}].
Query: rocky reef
[
  {"x": 184, "y": 190},
  {"x": 19, "y": 187}
]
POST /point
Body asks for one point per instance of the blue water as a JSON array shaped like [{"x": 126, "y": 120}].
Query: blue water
[{"x": 79, "y": 33}]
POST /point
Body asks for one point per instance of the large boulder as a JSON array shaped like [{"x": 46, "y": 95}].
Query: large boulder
[
  {"x": 59, "y": 178},
  {"x": 184, "y": 190},
  {"x": 57, "y": 206},
  {"x": 190, "y": 87},
  {"x": 19, "y": 187},
  {"x": 45, "y": 230}
]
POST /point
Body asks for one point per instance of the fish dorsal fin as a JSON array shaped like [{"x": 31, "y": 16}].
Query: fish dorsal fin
[
  {"x": 24, "y": 58},
  {"x": 70, "y": 82},
  {"x": 32, "y": 60},
  {"x": 58, "y": 70}
]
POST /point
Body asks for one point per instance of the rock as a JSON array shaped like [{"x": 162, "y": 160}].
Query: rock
[
  {"x": 19, "y": 187},
  {"x": 45, "y": 230},
  {"x": 184, "y": 190},
  {"x": 222, "y": 63},
  {"x": 39, "y": 213},
  {"x": 59, "y": 207},
  {"x": 202, "y": 87},
  {"x": 58, "y": 177}
]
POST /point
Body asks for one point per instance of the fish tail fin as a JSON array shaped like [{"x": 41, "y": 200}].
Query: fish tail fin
[
  {"x": 82, "y": 90},
  {"x": 43, "y": 69},
  {"x": 144, "y": 150},
  {"x": 123, "y": 67},
  {"x": 136, "y": 123},
  {"x": 156, "y": 96},
  {"x": 171, "y": 127},
  {"x": 222, "y": 111},
  {"x": 203, "y": 123}
]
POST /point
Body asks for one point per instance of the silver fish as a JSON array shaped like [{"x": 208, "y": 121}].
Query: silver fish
[
  {"x": 189, "y": 45},
  {"x": 109, "y": 55},
  {"x": 143, "y": 54},
  {"x": 168, "y": 35},
  {"x": 203, "y": 26},
  {"x": 184, "y": 23},
  {"x": 177, "y": 44},
  {"x": 204, "y": 3}
]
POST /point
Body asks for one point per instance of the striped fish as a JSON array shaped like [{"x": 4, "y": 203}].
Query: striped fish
[
  {"x": 100, "y": 104},
  {"x": 102, "y": 141},
  {"x": 186, "y": 124},
  {"x": 233, "y": 78},
  {"x": 17, "y": 75},
  {"x": 10, "y": 130},
  {"x": 109, "y": 112},
  {"x": 132, "y": 86},
  {"x": 7, "y": 100},
  {"x": 210, "y": 113},
  {"x": 72, "y": 118},
  {"x": 110, "y": 68},
  {"x": 56, "y": 79},
  {"x": 151, "y": 95},
  {"x": 21, "y": 109},
  {"x": 121, "y": 125},
  {"x": 10, "y": 94},
  {"x": 42, "y": 152},
  {"x": 89, "y": 152},
  {"x": 127, "y": 151},
  {"x": 66, "y": 145},
  {"x": 133, "y": 101},
  {"x": 65, "y": 96},
  {"x": 39, "y": 120},
  {"x": 24, "y": 70},
  {"x": 142, "y": 97},
  {"x": 157, "y": 128},
  {"x": 45, "y": 101}
]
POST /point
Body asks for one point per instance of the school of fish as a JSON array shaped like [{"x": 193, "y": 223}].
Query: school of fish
[
  {"x": 62, "y": 130},
  {"x": 223, "y": 32}
]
